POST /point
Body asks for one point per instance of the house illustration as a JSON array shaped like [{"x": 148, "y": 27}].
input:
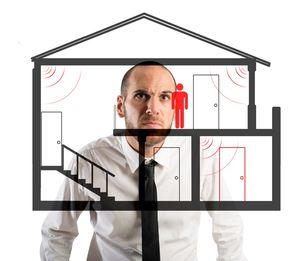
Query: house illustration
[{"x": 74, "y": 94}]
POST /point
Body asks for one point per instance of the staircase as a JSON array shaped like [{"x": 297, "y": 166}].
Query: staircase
[
  {"x": 89, "y": 186},
  {"x": 75, "y": 177}
]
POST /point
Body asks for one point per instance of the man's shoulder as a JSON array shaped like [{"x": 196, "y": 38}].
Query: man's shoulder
[{"x": 110, "y": 142}]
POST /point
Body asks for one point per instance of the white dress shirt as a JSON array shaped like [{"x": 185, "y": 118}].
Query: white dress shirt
[{"x": 117, "y": 234}]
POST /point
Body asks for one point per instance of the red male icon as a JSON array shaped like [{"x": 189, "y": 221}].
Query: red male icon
[{"x": 179, "y": 103}]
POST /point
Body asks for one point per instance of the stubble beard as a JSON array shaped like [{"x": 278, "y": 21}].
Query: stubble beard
[{"x": 151, "y": 141}]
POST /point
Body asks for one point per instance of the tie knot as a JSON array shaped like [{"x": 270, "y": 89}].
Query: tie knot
[
  {"x": 149, "y": 168},
  {"x": 151, "y": 163}
]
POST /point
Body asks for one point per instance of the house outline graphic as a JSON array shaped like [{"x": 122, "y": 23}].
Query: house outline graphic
[{"x": 108, "y": 203}]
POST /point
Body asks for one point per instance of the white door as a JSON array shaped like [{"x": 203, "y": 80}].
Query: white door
[
  {"x": 173, "y": 191},
  {"x": 51, "y": 138},
  {"x": 206, "y": 101}
]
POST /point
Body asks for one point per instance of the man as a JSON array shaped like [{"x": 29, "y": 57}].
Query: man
[{"x": 144, "y": 103}]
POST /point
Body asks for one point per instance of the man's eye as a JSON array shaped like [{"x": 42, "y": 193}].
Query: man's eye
[
  {"x": 165, "y": 97},
  {"x": 141, "y": 96}
]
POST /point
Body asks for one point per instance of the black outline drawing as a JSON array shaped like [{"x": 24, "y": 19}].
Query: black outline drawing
[
  {"x": 195, "y": 134},
  {"x": 154, "y": 148},
  {"x": 218, "y": 93}
]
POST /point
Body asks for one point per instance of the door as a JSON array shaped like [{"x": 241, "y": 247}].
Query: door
[
  {"x": 51, "y": 138},
  {"x": 232, "y": 173},
  {"x": 172, "y": 193},
  {"x": 206, "y": 101}
]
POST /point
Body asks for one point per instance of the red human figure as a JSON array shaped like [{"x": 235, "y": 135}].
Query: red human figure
[{"x": 179, "y": 103}]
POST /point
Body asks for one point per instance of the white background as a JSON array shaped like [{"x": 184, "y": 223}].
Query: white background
[{"x": 267, "y": 29}]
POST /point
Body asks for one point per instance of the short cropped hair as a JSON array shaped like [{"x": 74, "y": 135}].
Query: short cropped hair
[{"x": 125, "y": 80}]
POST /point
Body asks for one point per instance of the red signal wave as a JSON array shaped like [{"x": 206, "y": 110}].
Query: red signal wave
[
  {"x": 222, "y": 93},
  {"x": 68, "y": 93},
  {"x": 59, "y": 79},
  {"x": 230, "y": 77}
]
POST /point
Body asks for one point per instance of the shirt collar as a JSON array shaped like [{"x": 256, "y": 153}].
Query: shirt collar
[
  {"x": 162, "y": 157},
  {"x": 132, "y": 157}
]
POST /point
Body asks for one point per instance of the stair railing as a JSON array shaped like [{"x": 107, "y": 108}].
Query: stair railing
[{"x": 93, "y": 164}]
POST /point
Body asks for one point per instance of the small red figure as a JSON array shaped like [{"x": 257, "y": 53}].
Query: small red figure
[{"x": 179, "y": 103}]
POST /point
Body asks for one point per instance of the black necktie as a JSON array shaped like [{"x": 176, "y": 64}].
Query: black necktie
[{"x": 150, "y": 236}]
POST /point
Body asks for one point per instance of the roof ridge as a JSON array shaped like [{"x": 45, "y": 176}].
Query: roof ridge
[{"x": 158, "y": 21}]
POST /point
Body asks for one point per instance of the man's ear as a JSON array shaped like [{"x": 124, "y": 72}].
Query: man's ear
[{"x": 120, "y": 106}]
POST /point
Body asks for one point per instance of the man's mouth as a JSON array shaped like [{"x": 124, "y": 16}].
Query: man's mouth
[{"x": 152, "y": 124}]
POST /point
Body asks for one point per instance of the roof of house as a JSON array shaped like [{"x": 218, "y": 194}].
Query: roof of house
[{"x": 160, "y": 22}]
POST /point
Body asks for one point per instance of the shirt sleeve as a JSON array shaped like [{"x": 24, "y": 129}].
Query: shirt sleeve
[
  {"x": 227, "y": 227},
  {"x": 60, "y": 227},
  {"x": 58, "y": 233}
]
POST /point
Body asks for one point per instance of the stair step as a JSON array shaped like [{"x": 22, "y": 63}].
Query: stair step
[{"x": 88, "y": 186}]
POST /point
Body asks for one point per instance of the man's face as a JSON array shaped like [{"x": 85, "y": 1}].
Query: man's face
[{"x": 147, "y": 104}]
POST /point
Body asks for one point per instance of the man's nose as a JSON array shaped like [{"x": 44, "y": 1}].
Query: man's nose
[{"x": 153, "y": 106}]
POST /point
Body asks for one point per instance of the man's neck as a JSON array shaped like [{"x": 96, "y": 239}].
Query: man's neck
[{"x": 149, "y": 150}]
